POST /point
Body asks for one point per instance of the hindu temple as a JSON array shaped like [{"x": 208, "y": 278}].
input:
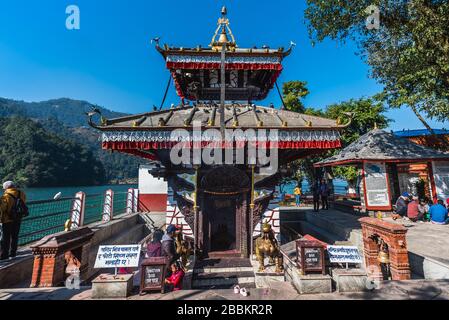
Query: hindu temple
[{"x": 220, "y": 204}]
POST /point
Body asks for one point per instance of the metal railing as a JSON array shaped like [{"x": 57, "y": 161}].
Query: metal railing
[
  {"x": 93, "y": 208},
  {"x": 49, "y": 216},
  {"x": 120, "y": 202},
  {"x": 46, "y": 217}
]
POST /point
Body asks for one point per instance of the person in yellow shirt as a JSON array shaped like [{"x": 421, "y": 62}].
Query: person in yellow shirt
[
  {"x": 12, "y": 210},
  {"x": 298, "y": 193}
]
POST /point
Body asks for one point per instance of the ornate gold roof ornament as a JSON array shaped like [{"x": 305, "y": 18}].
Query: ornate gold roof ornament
[{"x": 226, "y": 33}]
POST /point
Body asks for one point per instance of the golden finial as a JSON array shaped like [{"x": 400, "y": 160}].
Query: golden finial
[{"x": 223, "y": 24}]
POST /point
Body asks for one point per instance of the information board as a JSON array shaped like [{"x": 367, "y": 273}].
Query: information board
[
  {"x": 441, "y": 176},
  {"x": 376, "y": 185},
  {"x": 124, "y": 256},
  {"x": 344, "y": 254},
  {"x": 312, "y": 258}
]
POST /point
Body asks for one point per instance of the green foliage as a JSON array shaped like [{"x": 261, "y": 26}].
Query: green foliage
[
  {"x": 66, "y": 119},
  {"x": 294, "y": 92},
  {"x": 33, "y": 157},
  {"x": 409, "y": 54},
  {"x": 367, "y": 113}
]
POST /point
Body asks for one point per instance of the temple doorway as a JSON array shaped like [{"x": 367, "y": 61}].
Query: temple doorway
[
  {"x": 221, "y": 212},
  {"x": 224, "y": 209}
]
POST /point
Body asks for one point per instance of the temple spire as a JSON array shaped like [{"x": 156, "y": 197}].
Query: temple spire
[{"x": 220, "y": 39}]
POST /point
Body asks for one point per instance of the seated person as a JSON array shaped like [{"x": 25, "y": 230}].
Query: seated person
[
  {"x": 176, "y": 278},
  {"x": 423, "y": 208},
  {"x": 401, "y": 205},
  {"x": 413, "y": 212},
  {"x": 438, "y": 213}
]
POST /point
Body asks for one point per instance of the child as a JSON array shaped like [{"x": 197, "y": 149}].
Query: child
[{"x": 175, "y": 280}]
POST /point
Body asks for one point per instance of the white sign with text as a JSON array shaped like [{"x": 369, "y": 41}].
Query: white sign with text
[
  {"x": 344, "y": 254},
  {"x": 118, "y": 256}
]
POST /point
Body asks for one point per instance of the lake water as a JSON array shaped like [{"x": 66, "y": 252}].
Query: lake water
[{"x": 35, "y": 194}]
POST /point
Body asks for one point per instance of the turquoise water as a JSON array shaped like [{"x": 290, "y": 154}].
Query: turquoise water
[
  {"x": 35, "y": 194},
  {"x": 49, "y": 217}
]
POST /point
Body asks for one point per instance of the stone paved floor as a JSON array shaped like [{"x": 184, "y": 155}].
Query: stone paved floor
[
  {"x": 427, "y": 239},
  {"x": 393, "y": 290}
]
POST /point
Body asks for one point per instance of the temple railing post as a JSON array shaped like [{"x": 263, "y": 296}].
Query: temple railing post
[
  {"x": 195, "y": 211},
  {"x": 136, "y": 200},
  {"x": 251, "y": 222},
  {"x": 108, "y": 206},
  {"x": 129, "y": 201},
  {"x": 77, "y": 212}
]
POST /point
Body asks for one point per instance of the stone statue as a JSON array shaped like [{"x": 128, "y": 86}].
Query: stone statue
[
  {"x": 183, "y": 248},
  {"x": 267, "y": 245}
]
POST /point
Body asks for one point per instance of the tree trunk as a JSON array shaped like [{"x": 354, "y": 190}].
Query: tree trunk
[{"x": 444, "y": 143}]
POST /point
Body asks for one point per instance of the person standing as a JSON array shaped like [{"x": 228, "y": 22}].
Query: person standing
[
  {"x": 298, "y": 193},
  {"x": 168, "y": 248},
  {"x": 316, "y": 196},
  {"x": 12, "y": 209},
  {"x": 154, "y": 247},
  {"x": 324, "y": 193}
]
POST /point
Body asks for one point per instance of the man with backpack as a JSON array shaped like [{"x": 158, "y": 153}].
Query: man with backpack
[{"x": 12, "y": 210}]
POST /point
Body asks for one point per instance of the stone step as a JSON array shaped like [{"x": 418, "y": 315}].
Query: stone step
[
  {"x": 222, "y": 270},
  {"x": 223, "y": 278},
  {"x": 224, "y": 282}
]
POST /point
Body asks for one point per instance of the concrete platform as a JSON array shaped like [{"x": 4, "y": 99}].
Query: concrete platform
[
  {"x": 108, "y": 286},
  {"x": 428, "y": 246}
]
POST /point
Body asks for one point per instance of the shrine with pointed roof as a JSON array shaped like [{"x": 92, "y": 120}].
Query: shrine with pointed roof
[{"x": 220, "y": 207}]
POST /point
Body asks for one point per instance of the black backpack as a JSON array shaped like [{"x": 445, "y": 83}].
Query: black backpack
[{"x": 19, "y": 210}]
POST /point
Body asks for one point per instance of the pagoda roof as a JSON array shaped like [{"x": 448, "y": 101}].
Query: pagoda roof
[
  {"x": 380, "y": 145},
  {"x": 250, "y": 72},
  {"x": 236, "y": 116}
]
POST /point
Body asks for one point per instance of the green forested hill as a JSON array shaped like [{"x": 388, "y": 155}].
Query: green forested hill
[
  {"x": 65, "y": 119},
  {"x": 68, "y": 111},
  {"x": 34, "y": 157}
]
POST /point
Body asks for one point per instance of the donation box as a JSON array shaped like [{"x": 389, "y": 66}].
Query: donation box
[
  {"x": 152, "y": 275},
  {"x": 310, "y": 257}
]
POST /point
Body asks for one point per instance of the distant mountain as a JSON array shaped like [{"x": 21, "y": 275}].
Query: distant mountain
[
  {"x": 66, "y": 118},
  {"x": 67, "y": 111}
]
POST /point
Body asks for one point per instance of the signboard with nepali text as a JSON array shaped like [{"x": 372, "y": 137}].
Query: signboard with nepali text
[
  {"x": 376, "y": 184},
  {"x": 118, "y": 256},
  {"x": 344, "y": 254}
]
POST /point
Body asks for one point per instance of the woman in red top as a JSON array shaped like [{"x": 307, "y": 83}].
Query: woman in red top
[{"x": 175, "y": 280}]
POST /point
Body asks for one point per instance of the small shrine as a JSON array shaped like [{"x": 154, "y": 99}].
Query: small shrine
[{"x": 390, "y": 165}]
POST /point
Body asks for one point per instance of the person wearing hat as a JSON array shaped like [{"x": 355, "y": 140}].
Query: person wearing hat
[
  {"x": 401, "y": 204},
  {"x": 168, "y": 248},
  {"x": 12, "y": 210}
]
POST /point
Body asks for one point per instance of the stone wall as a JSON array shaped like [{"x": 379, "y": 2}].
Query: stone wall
[{"x": 124, "y": 229}]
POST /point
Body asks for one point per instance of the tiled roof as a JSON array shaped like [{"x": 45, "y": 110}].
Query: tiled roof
[
  {"x": 382, "y": 146},
  {"x": 209, "y": 116}
]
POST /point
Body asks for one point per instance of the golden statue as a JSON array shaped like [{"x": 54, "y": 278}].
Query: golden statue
[
  {"x": 267, "y": 245},
  {"x": 183, "y": 248}
]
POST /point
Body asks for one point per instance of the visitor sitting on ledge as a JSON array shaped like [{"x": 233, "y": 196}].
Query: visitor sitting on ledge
[
  {"x": 174, "y": 282},
  {"x": 413, "y": 212},
  {"x": 438, "y": 213}
]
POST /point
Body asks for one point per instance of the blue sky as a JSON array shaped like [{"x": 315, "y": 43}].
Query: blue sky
[{"x": 111, "y": 62}]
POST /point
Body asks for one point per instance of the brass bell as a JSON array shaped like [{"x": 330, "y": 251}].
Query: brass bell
[{"x": 383, "y": 257}]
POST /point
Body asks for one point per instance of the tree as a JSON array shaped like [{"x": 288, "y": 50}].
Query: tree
[
  {"x": 33, "y": 157},
  {"x": 408, "y": 54},
  {"x": 294, "y": 92}
]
